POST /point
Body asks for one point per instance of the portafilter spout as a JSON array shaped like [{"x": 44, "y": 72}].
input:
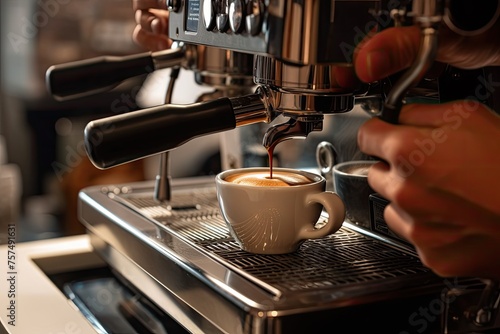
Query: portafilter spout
[
  {"x": 294, "y": 128},
  {"x": 305, "y": 93}
]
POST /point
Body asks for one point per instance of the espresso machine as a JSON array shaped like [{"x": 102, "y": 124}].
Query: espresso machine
[{"x": 286, "y": 64}]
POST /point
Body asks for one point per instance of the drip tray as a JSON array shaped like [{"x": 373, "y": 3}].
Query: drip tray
[
  {"x": 341, "y": 259},
  {"x": 187, "y": 240}
]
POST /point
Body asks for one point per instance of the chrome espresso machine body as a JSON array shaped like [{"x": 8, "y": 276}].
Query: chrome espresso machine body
[{"x": 176, "y": 249}]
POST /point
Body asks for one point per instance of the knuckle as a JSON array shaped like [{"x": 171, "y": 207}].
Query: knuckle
[{"x": 438, "y": 266}]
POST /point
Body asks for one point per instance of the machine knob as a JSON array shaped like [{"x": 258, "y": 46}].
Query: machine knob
[
  {"x": 237, "y": 15},
  {"x": 223, "y": 16},
  {"x": 254, "y": 17},
  {"x": 208, "y": 14},
  {"x": 173, "y": 5}
]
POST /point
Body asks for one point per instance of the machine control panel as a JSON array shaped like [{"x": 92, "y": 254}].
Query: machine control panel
[
  {"x": 238, "y": 15},
  {"x": 298, "y": 32}
]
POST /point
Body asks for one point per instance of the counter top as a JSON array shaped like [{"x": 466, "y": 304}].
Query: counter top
[{"x": 30, "y": 301}]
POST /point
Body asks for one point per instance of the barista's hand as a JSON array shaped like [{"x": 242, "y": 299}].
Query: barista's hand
[
  {"x": 151, "y": 31},
  {"x": 441, "y": 163},
  {"x": 394, "y": 49},
  {"x": 441, "y": 176}
]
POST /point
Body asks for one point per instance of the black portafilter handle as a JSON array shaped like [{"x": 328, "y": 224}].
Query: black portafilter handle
[
  {"x": 123, "y": 138},
  {"x": 100, "y": 74}
]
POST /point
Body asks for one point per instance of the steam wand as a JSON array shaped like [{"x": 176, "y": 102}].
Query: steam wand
[
  {"x": 428, "y": 14},
  {"x": 163, "y": 190}
]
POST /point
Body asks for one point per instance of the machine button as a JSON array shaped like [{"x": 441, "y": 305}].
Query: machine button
[
  {"x": 208, "y": 14},
  {"x": 255, "y": 12},
  {"x": 237, "y": 15},
  {"x": 223, "y": 15},
  {"x": 173, "y": 5}
]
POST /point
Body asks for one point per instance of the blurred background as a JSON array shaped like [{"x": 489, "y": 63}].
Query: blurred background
[{"x": 42, "y": 159}]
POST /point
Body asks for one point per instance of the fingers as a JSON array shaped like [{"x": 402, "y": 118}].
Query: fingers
[
  {"x": 151, "y": 31},
  {"x": 430, "y": 115},
  {"x": 154, "y": 21},
  {"x": 423, "y": 128},
  {"x": 448, "y": 250},
  {"x": 451, "y": 114},
  {"x": 388, "y": 142},
  {"x": 149, "y": 41},
  {"x": 386, "y": 53},
  {"x": 432, "y": 235},
  {"x": 418, "y": 123},
  {"x": 471, "y": 256},
  {"x": 448, "y": 220},
  {"x": 394, "y": 49}
]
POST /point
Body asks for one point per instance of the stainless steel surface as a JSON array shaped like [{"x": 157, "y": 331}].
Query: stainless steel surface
[
  {"x": 299, "y": 32},
  {"x": 191, "y": 255},
  {"x": 168, "y": 58},
  {"x": 308, "y": 74},
  {"x": 322, "y": 80},
  {"x": 253, "y": 108},
  {"x": 303, "y": 51},
  {"x": 222, "y": 69}
]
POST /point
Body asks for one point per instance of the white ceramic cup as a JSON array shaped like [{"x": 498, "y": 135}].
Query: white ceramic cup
[{"x": 274, "y": 219}]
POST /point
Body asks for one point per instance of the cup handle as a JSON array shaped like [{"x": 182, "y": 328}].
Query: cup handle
[
  {"x": 326, "y": 157},
  {"x": 335, "y": 208}
]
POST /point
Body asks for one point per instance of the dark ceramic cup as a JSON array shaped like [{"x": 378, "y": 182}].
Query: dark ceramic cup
[{"x": 351, "y": 184}]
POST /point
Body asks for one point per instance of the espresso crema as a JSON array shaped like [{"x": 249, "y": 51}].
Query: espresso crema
[
  {"x": 358, "y": 170},
  {"x": 262, "y": 179}
]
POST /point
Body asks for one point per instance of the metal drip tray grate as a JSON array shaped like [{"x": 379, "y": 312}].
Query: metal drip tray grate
[{"x": 343, "y": 259}]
